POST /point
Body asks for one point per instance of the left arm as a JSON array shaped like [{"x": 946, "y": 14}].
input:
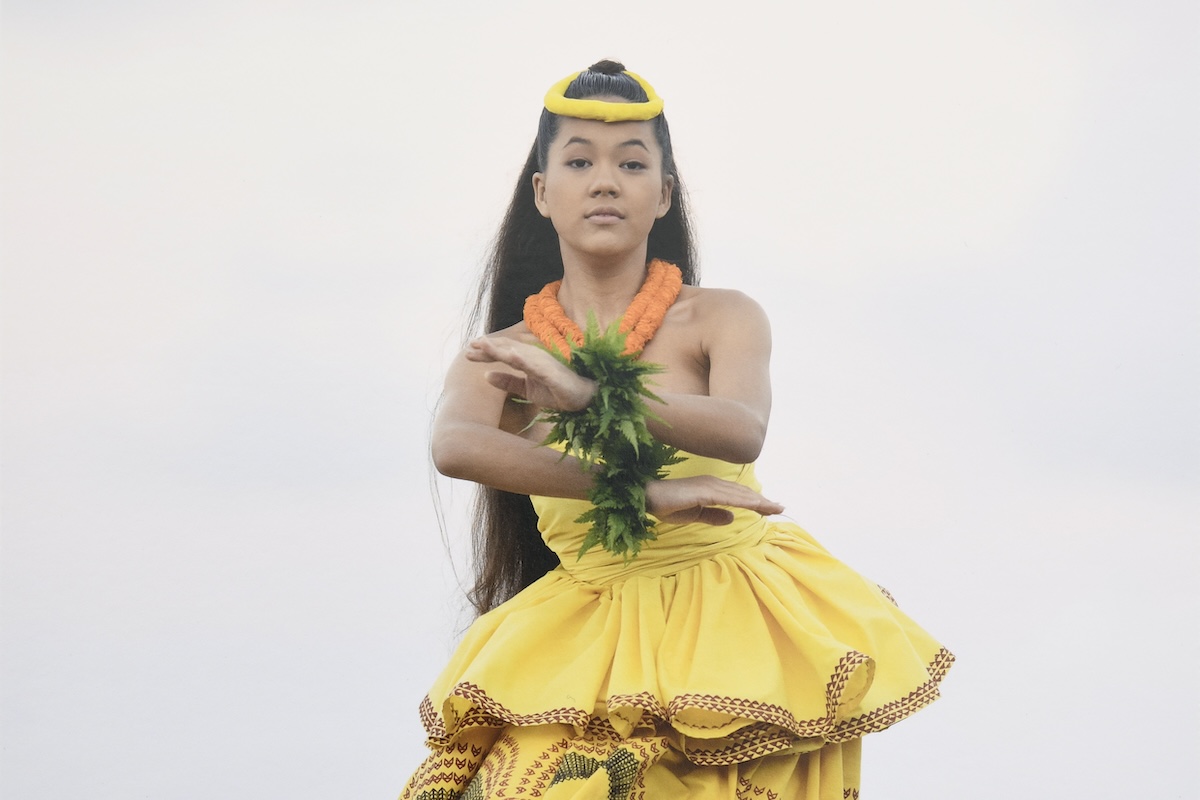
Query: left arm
[{"x": 730, "y": 422}]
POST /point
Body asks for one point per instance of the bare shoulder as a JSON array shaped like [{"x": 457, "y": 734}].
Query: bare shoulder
[
  {"x": 513, "y": 333},
  {"x": 518, "y": 332},
  {"x": 473, "y": 371},
  {"x": 723, "y": 305}
]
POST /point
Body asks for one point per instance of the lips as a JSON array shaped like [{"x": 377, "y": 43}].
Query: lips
[{"x": 604, "y": 214}]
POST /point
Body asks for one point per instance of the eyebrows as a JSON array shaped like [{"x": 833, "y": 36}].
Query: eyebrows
[{"x": 626, "y": 143}]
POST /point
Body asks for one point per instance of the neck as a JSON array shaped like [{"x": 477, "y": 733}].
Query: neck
[{"x": 602, "y": 288}]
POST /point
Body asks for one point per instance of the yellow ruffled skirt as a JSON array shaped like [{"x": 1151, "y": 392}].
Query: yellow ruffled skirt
[{"x": 730, "y": 662}]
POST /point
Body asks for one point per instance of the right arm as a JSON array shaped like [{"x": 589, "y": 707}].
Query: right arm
[{"x": 470, "y": 442}]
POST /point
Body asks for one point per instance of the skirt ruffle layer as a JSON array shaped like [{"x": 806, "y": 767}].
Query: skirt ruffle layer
[
  {"x": 777, "y": 648},
  {"x": 554, "y": 762}
]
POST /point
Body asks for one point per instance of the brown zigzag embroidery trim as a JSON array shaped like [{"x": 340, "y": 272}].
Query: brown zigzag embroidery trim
[
  {"x": 644, "y": 701},
  {"x": 474, "y": 718},
  {"x": 493, "y": 776},
  {"x": 749, "y": 743},
  {"x": 746, "y": 790},
  {"x": 569, "y": 716},
  {"x": 488, "y": 712},
  {"x": 774, "y": 728},
  {"x": 739, "y": 709},
  {"x": 890, "y": 713},
  {"x": 748, "y": 709},
  {"x": 776, "y": 715},
  {"x": 429, "y": 719},
  {"x": 463, "y": 758},
  {"x": 598, "y": 728},
  {"x": 756, "y": 792}
]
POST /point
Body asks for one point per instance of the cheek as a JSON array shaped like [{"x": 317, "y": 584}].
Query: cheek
[
  {"x": 654, "y": 196},
  {"x": 556, "y": 190},
  {"x": 549, "y": 199}
]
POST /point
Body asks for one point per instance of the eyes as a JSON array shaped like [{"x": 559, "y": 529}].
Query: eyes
[{"x": 632, "y": 164}]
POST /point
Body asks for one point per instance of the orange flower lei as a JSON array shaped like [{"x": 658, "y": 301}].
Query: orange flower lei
[{"x": 545, "y": 316}]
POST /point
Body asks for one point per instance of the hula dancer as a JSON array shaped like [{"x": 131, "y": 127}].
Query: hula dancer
[{"x": 646, "y": 629}]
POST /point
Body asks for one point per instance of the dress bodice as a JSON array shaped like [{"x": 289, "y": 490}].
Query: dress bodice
[{"x": 677, "y": 545}]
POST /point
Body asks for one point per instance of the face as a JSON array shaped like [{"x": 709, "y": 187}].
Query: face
[{"x": 603, "y": 186}]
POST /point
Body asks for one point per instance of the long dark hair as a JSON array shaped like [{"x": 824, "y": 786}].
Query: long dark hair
[{"x": 525, "y": 256}]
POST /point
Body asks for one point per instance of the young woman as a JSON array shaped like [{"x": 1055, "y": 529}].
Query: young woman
[{"x": 732, "y": 656}]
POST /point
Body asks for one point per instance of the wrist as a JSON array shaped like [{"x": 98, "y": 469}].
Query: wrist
[
  {"x": 582, "y": 395},
  {"x": 609, "y": 436}
]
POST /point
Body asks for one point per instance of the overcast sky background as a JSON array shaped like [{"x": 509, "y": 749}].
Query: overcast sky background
[{"x": 238, "y": 240}]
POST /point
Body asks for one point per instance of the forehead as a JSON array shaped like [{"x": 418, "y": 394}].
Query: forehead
[{"x": 604, "y": 134}]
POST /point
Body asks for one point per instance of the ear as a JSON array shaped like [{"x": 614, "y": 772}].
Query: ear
[
  {"x": 539, "y": 194},
  {"x": 664, "y": 202}
]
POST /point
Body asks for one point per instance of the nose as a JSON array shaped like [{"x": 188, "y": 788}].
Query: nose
[{"x": 604, "y": 181}]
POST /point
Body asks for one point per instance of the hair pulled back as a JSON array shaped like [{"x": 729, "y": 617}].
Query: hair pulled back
[{"x": 525, "y": 256}]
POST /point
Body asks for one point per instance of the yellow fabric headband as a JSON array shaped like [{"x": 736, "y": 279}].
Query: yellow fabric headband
[{"x": 604, "y": 110}]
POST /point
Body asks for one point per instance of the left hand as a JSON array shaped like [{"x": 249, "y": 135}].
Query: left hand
[
  {"x": 704, "y": 498},
  {"x": 542, "y": 380}
]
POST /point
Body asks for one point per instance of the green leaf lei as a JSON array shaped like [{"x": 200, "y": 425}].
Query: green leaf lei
[{"x": 611, "y": 434}]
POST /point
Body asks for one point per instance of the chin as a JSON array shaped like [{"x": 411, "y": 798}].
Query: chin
[{"x": 611, "y": 248}]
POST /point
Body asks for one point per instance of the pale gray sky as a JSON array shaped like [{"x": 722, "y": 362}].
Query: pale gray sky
[{"x": 238, "y": 239}]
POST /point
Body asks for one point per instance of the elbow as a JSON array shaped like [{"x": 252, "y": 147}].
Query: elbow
[
  {"x": 450, "y": 457},
  {"x": 750, "y": 454},
  {"x": 746, "y": 448},
  {"x": 443, "y": 459},
  {"x": 739, "y": 447},
  {"x": 747, "y": 451}
]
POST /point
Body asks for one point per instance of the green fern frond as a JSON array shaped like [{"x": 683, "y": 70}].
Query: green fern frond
[{"x": 611, "y": 432}]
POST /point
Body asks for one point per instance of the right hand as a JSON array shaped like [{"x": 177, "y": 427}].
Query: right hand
[
  {"x": 699, "y": 499},
  {"x": 541, "y": 378}
]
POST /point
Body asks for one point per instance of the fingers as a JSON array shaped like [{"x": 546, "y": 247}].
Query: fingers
[
  {"x": 761, "y": 505},
  {"x": 507, "y": 382},
  {"x": 715, "y": 516},
  {"x": 517, "y": 355},
  {"x": 728, "y": 493},
  {"x": 488, "y": 350},
  {"x": 540, "y": 378},
  {"x": 704, "y": 498},
  {"x": 767, "y": 507}
]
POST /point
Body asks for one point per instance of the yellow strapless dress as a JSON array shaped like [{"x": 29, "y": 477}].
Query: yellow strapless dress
[{"x": 738, "y": 661}]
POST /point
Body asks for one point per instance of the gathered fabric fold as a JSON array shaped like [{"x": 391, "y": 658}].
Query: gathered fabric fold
[
  {"x": 723, "y": 645},
  {"x": 769, "y": 648}
]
